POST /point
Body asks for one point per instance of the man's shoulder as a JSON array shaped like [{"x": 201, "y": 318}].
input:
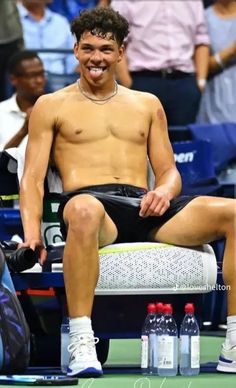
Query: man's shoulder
[
  {"x": 9, "y": 104},
  {"x": 139, "y": 96},
  {"x": 52, "y": 102},
  {"x": 56, "y": 97}
]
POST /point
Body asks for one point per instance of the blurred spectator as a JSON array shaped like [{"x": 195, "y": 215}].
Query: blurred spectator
[
  {"x": 167, "y": 53},
  {"x": 44, "y": 29},
  {"x": 28, "y": 77},
  {"x": 71, "y": 8},
  {"x": 219, "y": 98},
  {"x": 207, "y": 3},
  {"x": 11, "y": 40}
]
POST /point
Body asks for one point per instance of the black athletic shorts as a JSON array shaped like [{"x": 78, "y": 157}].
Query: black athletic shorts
[{"x": 122, "y": 204}]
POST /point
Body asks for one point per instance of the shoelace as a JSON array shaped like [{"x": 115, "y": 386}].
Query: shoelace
[{"x": 82, "y": 346}]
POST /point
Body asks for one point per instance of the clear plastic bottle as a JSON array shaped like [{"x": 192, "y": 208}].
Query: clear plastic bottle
[
  {"x": 148, "y": 343},
  {"x": 155, "y": 331},
  {"x": 189, "y": 343},
  {"x": 159, "y": 312},
  {"x": 65, "y": 340},
  {"x": 168, "y": 344}
]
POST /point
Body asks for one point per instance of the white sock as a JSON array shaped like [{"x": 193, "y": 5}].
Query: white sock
[
  {"x": 231, "y": 332},
  {"x": 81, "y": 325}
]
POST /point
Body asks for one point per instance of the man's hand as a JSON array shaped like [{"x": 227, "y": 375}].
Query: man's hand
[
  {"x": 154, "y": 203},
  {"x": 38, "y": 246}
]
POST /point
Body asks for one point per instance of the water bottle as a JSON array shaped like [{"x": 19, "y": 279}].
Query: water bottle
[
  {"x": 65, "y": 340},
  {"x": 147, "y": 342},
  {"x": 155, "y": 331},
  {"x": 189, "y": 343},
  {"x": 159, "y": 312},
  {"x": 153, "y": 346},
  {"x": 168, "y": 344}
]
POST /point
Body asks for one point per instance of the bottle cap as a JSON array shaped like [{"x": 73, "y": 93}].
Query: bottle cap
[
  {"x": 189, "y": 308},
  {"x": 151, "y": 308},
  {"x": 167, "y": 309},
  {"x": 159, "y": 308}
]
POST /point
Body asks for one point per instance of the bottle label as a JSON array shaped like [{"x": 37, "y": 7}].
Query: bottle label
[
  {"x": 195, "y": 351},
  {"x": 144, "y": 351},
  {"x": 165, "y": 351}
]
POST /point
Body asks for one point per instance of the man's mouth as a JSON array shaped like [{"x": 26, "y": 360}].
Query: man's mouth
[{"x": 96, "y": 71}]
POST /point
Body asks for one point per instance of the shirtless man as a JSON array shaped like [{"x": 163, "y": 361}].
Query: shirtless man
[{"x": 99, "y": 135}]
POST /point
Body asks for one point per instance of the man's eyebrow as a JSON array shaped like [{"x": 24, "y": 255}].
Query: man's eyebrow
[{"x": 107, "y": 45}]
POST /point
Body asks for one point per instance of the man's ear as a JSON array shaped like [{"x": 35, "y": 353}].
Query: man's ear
[
  {"x": 76, "y": 45},
  {"x": 121, "y": 53}
]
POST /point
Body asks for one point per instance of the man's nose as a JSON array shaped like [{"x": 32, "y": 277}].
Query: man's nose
[
  {"x": 40, "y": 78},
  {"x": 96, "y": 56}
]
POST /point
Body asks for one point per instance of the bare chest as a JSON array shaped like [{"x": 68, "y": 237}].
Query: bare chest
[{"x": 90, "y": 122}]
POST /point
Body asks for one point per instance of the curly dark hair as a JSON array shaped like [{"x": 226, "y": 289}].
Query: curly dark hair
[
  {"x": 101, "y": 21},
  {"x": 15, "y": 62}
]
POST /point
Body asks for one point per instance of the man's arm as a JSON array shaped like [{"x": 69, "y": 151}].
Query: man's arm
[
  {"x": 201, "y": 60},
  {"x": 201, "y": 43},
  {"x": 20, "y": 135},
  {"x": 220, "y": 59},
  {"x": 123, "y": 74},
  {"x": 17, "y": 138},
  {"x": 167, "y": 178},
  {"x": 36, "y": 163}
]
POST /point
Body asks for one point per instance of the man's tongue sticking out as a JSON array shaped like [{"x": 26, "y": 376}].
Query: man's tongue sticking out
[{"x": 96, "y": 72}]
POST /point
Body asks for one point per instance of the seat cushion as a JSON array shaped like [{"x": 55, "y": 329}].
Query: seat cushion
[{"x": 154, "y": 268}]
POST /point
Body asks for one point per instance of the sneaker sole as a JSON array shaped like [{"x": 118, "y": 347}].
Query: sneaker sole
[
  {"x": 226, "y": 367},
  {"x": 89, "y": 372}
]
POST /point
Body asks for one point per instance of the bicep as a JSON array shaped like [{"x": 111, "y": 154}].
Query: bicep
[
  {"x": 159, "y": 147},
  {"x": 39, "y": 144}
]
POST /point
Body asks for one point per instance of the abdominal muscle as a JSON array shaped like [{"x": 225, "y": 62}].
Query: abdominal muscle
[
  {"x": 105, "y": 179},
  {"x": 80, "y": 169}
]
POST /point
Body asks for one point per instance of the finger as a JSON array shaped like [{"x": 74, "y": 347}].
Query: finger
[
  {"x": 144, "y": 209},
  {"x": 155, "y": 208},
  {"x": 155, "y": 202},
  {"x": 151, "y": 211},
  {"x": 145, "y": 204},
  {"x": 161, "y": 208},
  {"x": 22, "y": 245},
  {"x": 42, "y": 256},
  {"x": 33, "y": 245}
]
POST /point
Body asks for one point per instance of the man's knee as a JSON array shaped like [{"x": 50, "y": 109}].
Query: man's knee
[{"x": 83, "y": 212}]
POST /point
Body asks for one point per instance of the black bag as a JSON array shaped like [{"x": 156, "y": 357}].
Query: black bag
[{"x": 14, "y": 331}]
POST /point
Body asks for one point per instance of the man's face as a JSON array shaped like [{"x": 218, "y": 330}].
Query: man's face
[
  {"x": 98, "y": 57},
  {"x": 30, "y": 80}
]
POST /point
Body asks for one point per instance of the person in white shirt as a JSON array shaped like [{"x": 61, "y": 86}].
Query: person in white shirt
[{"x": 27, "y": 75}]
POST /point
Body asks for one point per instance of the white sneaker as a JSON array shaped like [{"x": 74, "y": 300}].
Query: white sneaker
[
  {"x": 83, "y": 357},
  {"x": 227, "y": 360}
]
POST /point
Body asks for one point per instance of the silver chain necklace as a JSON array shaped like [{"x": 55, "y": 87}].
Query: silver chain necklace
[{"x": 97, "y": 100}]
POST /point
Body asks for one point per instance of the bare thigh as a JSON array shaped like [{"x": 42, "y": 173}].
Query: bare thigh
[
  {"x": 84, "y": 209},
  {"x": 202, "y": 220}
]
